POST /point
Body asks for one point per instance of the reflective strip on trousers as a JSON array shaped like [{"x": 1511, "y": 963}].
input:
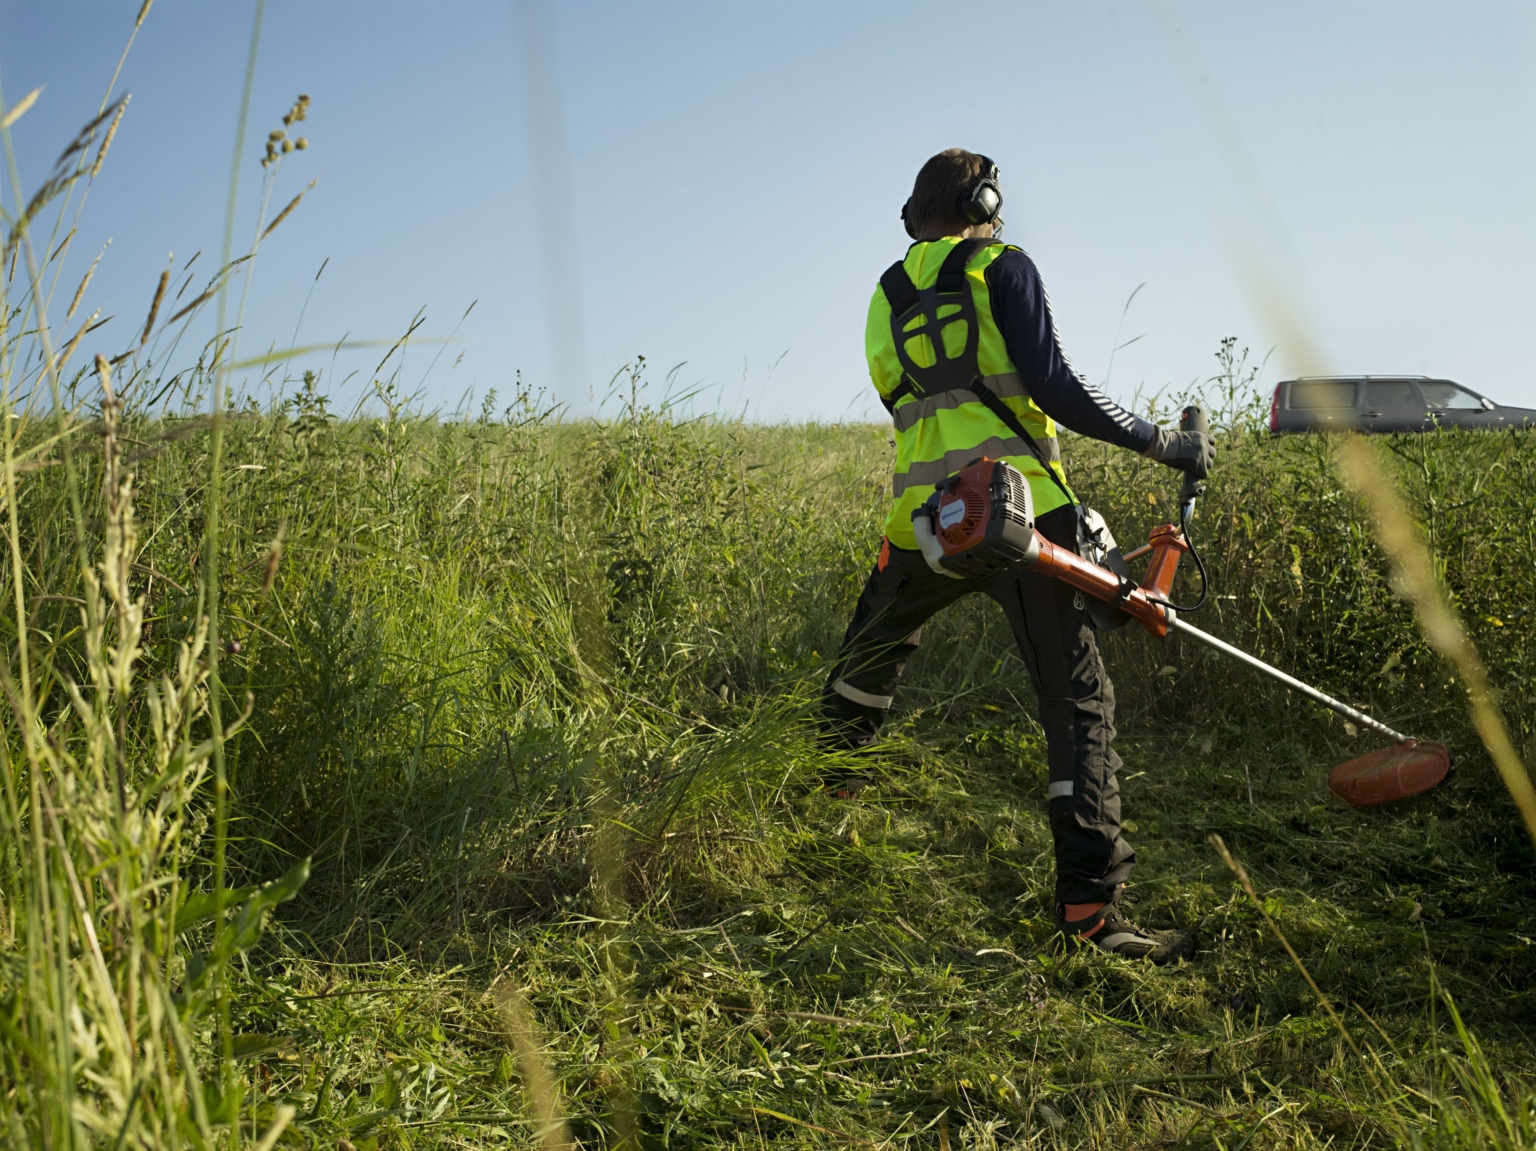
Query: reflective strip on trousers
[
  {"x": 1008, "y": 385},
  {"x": 1058, "y": 790},
  {"x": 864, "y": 699},
  {"x": 926, "y": 473}
]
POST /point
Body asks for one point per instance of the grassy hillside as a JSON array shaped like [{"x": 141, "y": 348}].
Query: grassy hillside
[{"x": 535, "y": 697}]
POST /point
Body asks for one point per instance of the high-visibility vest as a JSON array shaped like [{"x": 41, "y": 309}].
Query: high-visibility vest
[{"x": 941, "y": 424}]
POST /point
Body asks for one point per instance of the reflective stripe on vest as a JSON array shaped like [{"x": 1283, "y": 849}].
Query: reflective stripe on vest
[
  {"x": 929, "y": 472},
  {"x": 1006, "y": 385},
  {"x": 941, "y": 429}
]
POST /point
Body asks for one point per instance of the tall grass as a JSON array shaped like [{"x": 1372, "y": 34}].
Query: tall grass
[
  {"x": 535, "y": 696},
  {"x": 115, "y": 948}
]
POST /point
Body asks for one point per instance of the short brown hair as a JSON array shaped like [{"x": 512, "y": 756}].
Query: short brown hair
[{"x": 939, "y": 185}]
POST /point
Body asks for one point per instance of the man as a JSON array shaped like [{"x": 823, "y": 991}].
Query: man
[{"x": 1002, "y": 373}]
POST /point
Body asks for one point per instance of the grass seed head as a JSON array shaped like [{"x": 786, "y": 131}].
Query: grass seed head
[
  {"x": 20, "y": 110},
  {"x": 101, "y": 154},
  {"x": 63, "y": 244},
  {"x": 292, "y": 204},
  {"x": 201, "y": 299},
  {"x": 104, "y": 373},
  {"x": 154, "y": 308},
  {"x": 69, "y": 348},
  {"x": 85, "y": 282}
]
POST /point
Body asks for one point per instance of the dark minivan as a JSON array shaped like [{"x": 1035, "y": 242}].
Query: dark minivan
[{"x": 1386, "y": 404}]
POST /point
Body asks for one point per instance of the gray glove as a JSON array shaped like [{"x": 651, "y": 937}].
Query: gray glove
[{"x": 1192, "y": 453}]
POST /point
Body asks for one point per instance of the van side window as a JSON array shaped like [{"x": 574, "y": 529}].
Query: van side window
[
  {"x": 1448, "y": 397},
  {"x": 1322, "y": 394},
  {"x": 1390, "y": 394}
]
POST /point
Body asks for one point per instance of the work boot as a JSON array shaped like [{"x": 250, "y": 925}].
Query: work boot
[
  {"x": 1109, "y": 930},
  {"x": 844, "y": 785}
]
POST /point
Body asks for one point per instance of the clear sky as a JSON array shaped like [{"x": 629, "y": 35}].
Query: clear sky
[{"x": 717, "y": 185}]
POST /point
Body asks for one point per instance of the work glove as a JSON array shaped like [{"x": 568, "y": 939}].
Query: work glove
[{"x": 1190, "y": 452}]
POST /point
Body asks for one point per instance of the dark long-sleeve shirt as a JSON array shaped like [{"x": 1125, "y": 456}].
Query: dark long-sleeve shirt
[{"x": 1023, "y": 313}]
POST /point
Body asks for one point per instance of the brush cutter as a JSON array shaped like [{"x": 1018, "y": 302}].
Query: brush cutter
[{"x": 981, "y": 520}]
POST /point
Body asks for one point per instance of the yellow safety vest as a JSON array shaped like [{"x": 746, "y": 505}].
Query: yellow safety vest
[{"x": 941, "y": 424}]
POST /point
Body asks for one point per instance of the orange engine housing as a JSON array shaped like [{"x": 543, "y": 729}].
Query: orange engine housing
[
  {"x": 984, "y": 519},
  {"x": 981, "y": 521}
]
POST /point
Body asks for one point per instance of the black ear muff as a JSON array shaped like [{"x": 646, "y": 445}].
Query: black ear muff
[
  {"x": 981, "y": 203},
  {"x": 906, "y": 220}
]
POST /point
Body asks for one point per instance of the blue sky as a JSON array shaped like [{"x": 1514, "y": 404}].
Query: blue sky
[{"x": 717, "y": 185}]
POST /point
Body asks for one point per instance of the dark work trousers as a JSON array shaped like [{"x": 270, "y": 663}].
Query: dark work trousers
[{"x": 1077, "y": 701}]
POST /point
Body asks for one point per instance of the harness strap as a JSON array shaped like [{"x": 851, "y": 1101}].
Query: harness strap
[
  {"x": 908, "y": 302},
  {"x": 905, "y": 298},
  {"x": 900, "y": 291},
  {"x": 1003, "y": 412},
  {"x": 952, "y": 270}
]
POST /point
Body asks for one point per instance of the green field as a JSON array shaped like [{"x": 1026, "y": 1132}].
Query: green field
[{"x": 536, "y": 698}]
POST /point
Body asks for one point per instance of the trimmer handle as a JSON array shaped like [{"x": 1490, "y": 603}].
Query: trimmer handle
[{"x": 1193, "y": 419}]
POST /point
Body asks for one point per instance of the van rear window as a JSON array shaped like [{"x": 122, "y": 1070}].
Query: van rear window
[{"x": 1322, "y": 394}]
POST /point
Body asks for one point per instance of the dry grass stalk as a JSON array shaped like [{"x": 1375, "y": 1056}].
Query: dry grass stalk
[
  {"x": 285, "y": 1112},
  {"x": 274, "y": 558},
  {"x": 154, "y": 308},
  {"x": 841, "y": 1136},
  {"x": 538, "y": 1081},
  {"x": 1414, "y": 574},
  {"x": 104, "y": 372},
  {"x": 1241, "y": 872},
  {"x": 122, "y": 106},
  {"x": 74, "y": 341},
  {"x": 109, "y": 410},
  {"x": 1372, "y": 1065}
]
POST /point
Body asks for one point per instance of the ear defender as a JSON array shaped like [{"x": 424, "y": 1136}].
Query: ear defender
[
  {"x": 979, "y": 204},
  {"x": 984, "y": 200}
]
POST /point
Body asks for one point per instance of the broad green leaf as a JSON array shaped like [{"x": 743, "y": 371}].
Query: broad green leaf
[
  {"x": 249, "y": 1046},
  {"x": 246, "y": 928},
  {"x": 199, "y": 907}
]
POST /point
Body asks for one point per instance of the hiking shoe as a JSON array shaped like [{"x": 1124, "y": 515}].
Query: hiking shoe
[{"x": 1119, "y": 936}]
